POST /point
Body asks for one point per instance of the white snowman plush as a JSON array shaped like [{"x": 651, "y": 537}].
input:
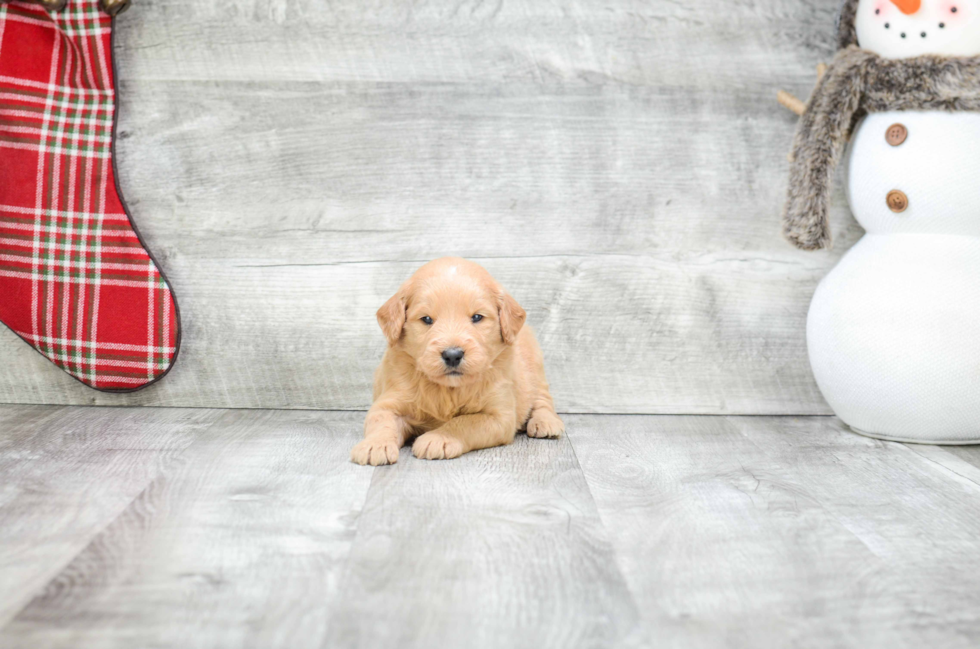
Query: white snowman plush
[{"x": 894, "y": 330}]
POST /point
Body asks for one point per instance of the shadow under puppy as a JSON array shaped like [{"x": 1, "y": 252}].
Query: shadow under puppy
[{"x": 461, "y": 372}]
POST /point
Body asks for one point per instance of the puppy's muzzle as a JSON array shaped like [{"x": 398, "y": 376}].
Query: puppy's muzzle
[{"x": 452, "y": 357}]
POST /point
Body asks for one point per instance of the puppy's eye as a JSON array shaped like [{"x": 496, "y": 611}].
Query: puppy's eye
[
  {"x": 427, "y": 320},
  {"x": 477, "y": 318}
]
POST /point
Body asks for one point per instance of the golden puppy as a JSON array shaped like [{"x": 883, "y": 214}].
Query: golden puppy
[{"x": 461, "y": 373}]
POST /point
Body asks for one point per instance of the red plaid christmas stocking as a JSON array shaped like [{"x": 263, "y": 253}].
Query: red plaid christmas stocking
[{"x": 76, "y": 282}]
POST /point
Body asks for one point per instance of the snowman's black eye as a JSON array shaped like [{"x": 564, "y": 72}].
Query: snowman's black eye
[
  {"x": 903, "y": 34},
  {"x": 877, "y": 12},
  {"x": 954, "y": 10},
  {"x": 942, "y": 25},
  {"x": 923, "y": 34},
  {"x": 888, "y": 26}
]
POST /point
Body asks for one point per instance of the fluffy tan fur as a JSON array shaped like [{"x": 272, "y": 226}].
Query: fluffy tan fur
[{"x": 498, "y": 389}]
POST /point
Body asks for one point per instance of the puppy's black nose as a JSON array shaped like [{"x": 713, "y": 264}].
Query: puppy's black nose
[{"x": 453, "y": 356}]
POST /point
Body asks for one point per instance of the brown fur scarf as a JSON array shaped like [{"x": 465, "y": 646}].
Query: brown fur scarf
[{"x": 857, "y": 83}]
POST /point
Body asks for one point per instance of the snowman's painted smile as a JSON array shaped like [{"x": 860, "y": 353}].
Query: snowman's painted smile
[{"x": 899, "y": 29}]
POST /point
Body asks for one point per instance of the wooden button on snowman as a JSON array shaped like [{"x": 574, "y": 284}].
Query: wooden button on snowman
[
  {"x": 893, "y": 331},
  {"x": 896, "y": 135}
]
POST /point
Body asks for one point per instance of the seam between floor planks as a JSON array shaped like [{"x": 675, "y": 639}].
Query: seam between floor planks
[
  {"x": 365, "y": 411},
  {"x": 404, "y": 482},
  {"x": 95, "y": 533},
  {"x": 52, "y": 593}
]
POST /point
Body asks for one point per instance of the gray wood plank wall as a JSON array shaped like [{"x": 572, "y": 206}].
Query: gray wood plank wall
[{"x": 619, "y": 164}]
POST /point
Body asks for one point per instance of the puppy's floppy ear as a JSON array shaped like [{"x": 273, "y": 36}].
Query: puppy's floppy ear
[
  {"x": 512, "y": 316},
  {"x": 391, "y": 316}
]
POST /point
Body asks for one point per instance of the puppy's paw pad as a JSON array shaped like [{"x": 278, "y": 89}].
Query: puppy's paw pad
[
  {"x": 375, "y": 452},
  {"x": 545, "y": 425},
  {"x": 436, "y": 446}
]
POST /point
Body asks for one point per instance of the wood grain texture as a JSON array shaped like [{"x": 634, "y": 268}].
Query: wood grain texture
[
  {"x": 619, "y": 164},
  {"x": 788, "y": 532},
  {"x": 197, "y": 528},
  {"x": 501, "y": 548},
  {"x": 66, "y": 473},
  {"x": 239, "y": 544},
  {"x": 968, "y": 454}
]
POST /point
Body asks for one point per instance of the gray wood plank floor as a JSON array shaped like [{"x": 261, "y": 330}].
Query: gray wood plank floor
[
  {"x": 206, "y": 528},
  {"x": 619, "y": 164}
]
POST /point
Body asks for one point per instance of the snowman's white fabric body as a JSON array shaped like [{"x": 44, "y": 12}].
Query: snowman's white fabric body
[{"x": 894, "y": 330}]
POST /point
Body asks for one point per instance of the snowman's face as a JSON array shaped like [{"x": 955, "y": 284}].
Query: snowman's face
[{"x": 899, "y": 29}]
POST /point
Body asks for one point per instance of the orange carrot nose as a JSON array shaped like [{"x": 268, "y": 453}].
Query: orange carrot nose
[{"x": 908, "y": 7}]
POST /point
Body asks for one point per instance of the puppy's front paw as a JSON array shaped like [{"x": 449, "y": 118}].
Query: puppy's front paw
[
  {"x": 436, "y": 446},
  {"x": 545, "y": 424},
  {"x": 376, "y": 452}
]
